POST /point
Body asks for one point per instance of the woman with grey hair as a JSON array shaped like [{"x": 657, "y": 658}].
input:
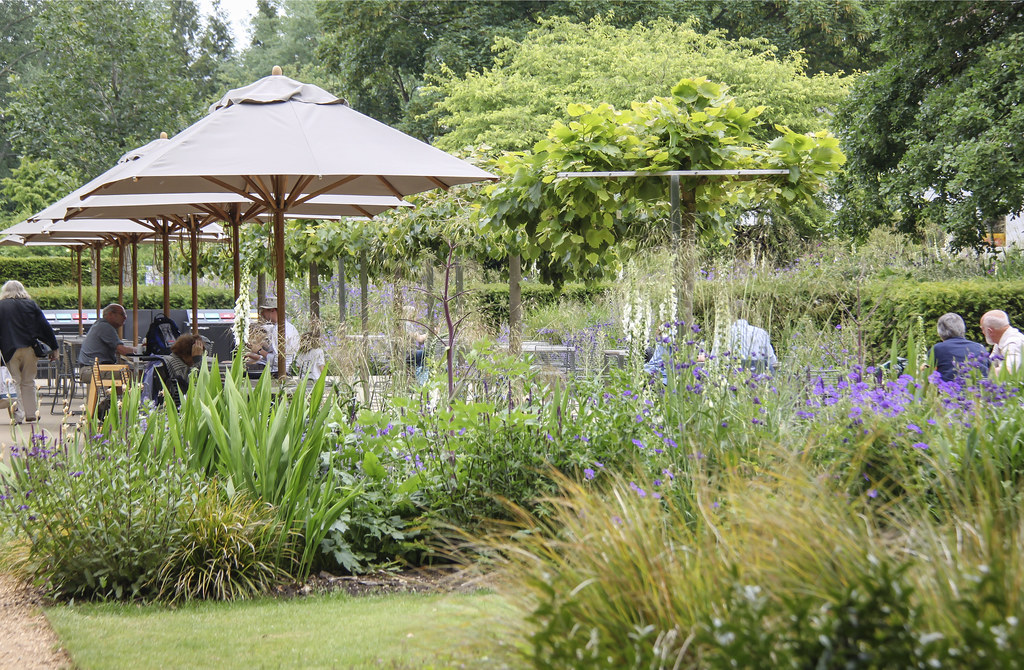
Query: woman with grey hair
[
  {"x": 955, "y": 355},
  {"x": 21, "y": 324}
]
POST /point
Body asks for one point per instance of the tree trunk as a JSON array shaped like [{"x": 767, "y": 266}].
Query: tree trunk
[
  {"x": 314, "y": 290},
  {"x": 342, "y": 292},
  {"x": 515, "y": 305}
]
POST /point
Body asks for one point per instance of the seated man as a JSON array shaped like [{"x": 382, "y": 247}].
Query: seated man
[
  {"x": 752, "y": 346},
  {"x": 102, "y": 343},
  {"x": 955, "y": 355},
  {"x": 264, "y": 350},
  {"x": 1007, "y": 342}
]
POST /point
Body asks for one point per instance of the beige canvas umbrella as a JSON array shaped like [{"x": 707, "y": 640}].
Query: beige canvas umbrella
[
  {"x": 279, "y": 143},
  {"x": 164, "y": 226}
]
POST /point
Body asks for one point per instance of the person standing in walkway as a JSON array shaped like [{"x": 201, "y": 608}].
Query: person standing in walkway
[
  {"x": 1007, "y": 342},
  {"x": 954, "y": 355},
  {"x": 21, "y": 324}
]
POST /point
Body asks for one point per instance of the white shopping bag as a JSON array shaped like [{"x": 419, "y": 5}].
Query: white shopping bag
[{"x": 8, "y": 389}]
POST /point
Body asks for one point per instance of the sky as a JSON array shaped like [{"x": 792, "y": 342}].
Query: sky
[{"x": 238, "y": 13}]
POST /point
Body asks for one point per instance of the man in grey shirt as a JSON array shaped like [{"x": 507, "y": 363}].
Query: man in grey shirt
[{"x": 102, "y": 342}]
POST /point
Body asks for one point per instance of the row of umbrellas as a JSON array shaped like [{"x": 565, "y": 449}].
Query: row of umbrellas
[{"x": 274, "y": 149}]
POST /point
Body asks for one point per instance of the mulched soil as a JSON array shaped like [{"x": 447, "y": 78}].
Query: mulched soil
[{"x": 434, "y": 579}]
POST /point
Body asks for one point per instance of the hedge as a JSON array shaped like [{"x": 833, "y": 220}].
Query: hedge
[
  {"x": 898, "y": 304},
  {"x": 492, "y": 299},
  {"x": 888, "y": 308},
  {"x": 49, "y": 270},
  {"x": 150, "y": 297}
]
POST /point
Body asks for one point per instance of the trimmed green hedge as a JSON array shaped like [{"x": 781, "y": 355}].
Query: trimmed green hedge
[
  {"x": 897, "y": 305},
  {"x": 50, "y": 270},
  {"x": 492, "y": 299},
  {"x": 150, "y": 297}
]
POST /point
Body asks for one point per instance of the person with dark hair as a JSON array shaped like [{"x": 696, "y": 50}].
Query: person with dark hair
[
  {"x": 21, "y": 324},
  {"x": 186, "y": 356},
  {"x": 955, "y": 355}
]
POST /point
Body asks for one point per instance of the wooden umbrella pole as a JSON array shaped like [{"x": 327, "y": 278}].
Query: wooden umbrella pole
[
  {"x": 78, "y": 276},
  {"x": 135, "y": 291},
  {"x": 120, "y": 281},
  {"x": 193, "y": 243},
  {"x": 279, "y": 258},
  {"x": 165, "y": 238},
  {"x": 97, "y": 265}
]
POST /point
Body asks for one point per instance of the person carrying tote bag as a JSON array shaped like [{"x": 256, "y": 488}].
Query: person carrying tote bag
[{"x": 22, "y": 325}]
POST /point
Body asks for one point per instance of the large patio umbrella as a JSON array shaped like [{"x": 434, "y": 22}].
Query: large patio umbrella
[
  {"x": 163, "y": 226},
  {"x": 280, "y": 143}
]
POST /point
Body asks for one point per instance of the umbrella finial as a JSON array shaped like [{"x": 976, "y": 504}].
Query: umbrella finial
[
  {"x": 276, "y": 71},
  {"x": 163, "y": 136}
]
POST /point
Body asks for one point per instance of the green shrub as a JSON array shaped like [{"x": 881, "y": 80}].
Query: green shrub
[
  {"x": 227, "y": 551},
  {"x": 98, "y": 520},
  {"x": 150, "y": 297}
]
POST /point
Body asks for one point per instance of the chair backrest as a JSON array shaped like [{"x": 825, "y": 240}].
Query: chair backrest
[{"x": 162, "y": 333}]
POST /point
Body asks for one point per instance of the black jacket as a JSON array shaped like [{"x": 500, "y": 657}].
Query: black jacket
[{"x": 21, "y": 322}]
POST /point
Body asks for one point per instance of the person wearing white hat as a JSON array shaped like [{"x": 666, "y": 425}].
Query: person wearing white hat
[{"x": 264, "y": 349}]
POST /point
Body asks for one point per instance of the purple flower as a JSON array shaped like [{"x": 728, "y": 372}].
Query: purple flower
[
  {"x": 914, "y": 428},
  {"x": 637, "y": 443},
  {"x": 588, "y": 473},
  {"x": 872, "y": 493},
  {"x": 920, "y": 445}
]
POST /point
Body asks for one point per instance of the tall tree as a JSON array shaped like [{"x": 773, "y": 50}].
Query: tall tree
[
  {"x": 112, "y": 78},
  {"x": 834, "y": 35},
  {"x": 18, "y": 51},
  {"x": 385, "y": 49},
  {"x": 933, "y": 134},
  {"x": 510, "y": 105}
]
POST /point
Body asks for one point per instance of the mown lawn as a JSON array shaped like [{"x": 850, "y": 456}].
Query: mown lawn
[{"x": 330, "y": 631}]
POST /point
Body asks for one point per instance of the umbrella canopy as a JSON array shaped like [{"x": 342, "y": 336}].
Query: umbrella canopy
[
  {"x": 279, "y": 136},
  {"x": 219, "y": 205},
  {"x": 280, "y": 143},
  {"x": 59, "y": 209},
  {"x": 94, "y": 229}
]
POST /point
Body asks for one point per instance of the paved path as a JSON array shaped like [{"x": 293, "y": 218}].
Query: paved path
[{"x": 26, "y": 640}]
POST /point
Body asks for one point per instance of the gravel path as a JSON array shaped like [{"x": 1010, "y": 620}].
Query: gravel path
[{"x": 26, "y": 640}]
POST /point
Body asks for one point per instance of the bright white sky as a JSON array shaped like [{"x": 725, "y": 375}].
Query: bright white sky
[{"x": 238, "y": 13}]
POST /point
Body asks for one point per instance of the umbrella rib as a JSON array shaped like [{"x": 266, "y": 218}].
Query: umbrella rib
[
  {"x": 333, "y": 185},
  {"x": 256, "y": 184},
  {"x": 252, "y": 212},
  {"x": 363, "y": 211},
  {"x": 438, "y": 182},
  {"x": 388, "y": 186},
  {"x": 296, "y": 193}
]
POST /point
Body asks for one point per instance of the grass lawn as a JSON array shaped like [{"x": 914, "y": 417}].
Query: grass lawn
[{"x": 330, "y": 631}]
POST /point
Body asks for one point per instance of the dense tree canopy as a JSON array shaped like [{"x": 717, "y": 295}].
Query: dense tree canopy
[
  {"x": 112, "y": 77},
  {"x": 933, "y": 134},
  {"x": 386, "y": 49},
  {"x": 511, "y": 105}
]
